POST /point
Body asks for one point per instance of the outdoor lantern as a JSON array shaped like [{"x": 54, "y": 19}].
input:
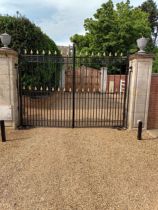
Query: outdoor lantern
[
  {"x": 141, "y": 43},
  {"x": 5, "y": 39}
]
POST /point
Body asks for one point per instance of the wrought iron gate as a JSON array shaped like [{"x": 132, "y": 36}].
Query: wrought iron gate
[{"x": 73, "y": 91}]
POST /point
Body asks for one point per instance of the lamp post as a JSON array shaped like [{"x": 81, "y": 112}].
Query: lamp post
[{"x": 5, "y": 39}]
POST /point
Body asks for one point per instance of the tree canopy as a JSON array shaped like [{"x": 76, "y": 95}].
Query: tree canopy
[
  {"x": 113, "y": 29},
  {"x": 25, "y": 34},
  {"x": 155, "y": 63},
  {"x": 151, "y": 9}
]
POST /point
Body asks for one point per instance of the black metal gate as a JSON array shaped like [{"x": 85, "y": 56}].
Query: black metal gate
[{"x": 73, "y": 91}]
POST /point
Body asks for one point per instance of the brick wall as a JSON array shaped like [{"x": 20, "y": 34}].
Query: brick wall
[{"x": 153, "y": 103}]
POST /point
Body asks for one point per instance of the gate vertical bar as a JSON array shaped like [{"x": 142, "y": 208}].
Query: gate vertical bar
[
  {"x": 73, "y": 86},
  {"x": 20, "y": 105},
  {"x": 125, "y": 95},
  {"x": 128, "y": 92}
]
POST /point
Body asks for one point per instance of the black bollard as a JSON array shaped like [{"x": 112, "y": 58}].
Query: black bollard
[
  {"x": 3, "y": 131},
  {"x": 139, "y": 135}
]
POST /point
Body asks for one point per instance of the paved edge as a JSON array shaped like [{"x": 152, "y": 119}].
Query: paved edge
[{"x": 153, "y": 133}]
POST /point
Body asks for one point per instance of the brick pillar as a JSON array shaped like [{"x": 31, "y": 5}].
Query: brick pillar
[
  {"x": 8, "y": 83},
  {"x": 139, "y": 89}
]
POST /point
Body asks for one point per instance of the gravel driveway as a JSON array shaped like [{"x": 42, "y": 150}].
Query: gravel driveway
[{"x": 78, "y": 169}]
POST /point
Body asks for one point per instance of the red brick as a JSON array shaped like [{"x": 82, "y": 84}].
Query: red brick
[{"x": 153, "y": 103}]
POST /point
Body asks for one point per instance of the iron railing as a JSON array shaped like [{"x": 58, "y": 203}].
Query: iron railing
[{"x": 73, "y": 91}]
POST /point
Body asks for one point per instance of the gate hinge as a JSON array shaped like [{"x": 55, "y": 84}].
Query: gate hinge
[
  {"x": 130, "y": 68},
  {"x": 16, "y": 65}
]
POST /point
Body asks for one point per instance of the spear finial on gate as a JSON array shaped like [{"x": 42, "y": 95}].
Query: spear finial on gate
[
  {"x": 47, "y": 88},
  {"x": 115, "y": 53},
  {"x": 70, "y": 90},
  {"x": 49, "y": 52},
  {"x": 37, "y": 52},
  {"x": 104, "y": 54},
  {"x": 41, "y": 88},
  {"x": 121, "y": 54},
  {"x": 110, "y": 54},
  {"x": 43, "y": 52},
  {"x": 93, "y": 89},
  {"x": 55, "y": 53},
  {"x": 35, "y": 88},
  {"x": 30, "y": 88},
  {"x": 31, "y": 52},
  {"x": 25, "y": 51},
  {"x": 52, "y": 88}
]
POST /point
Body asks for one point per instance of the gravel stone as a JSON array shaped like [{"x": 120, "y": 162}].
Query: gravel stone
[{"x": 78, "y": 169}]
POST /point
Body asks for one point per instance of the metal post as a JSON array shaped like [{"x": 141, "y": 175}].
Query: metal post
[
  {"x": 128, "y": 92},
  {"x": 73, "y": 86},
  {"x": 20, "y": 90},
  {"x": 139, "y": 135},
  {"x": 125, "y": 95},
  {"x": 3, "y": 131}
]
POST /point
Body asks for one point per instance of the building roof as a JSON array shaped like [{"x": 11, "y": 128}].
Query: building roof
[{"x": 65, "y": 50}]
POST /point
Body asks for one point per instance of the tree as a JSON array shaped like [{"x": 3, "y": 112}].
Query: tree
[
  {"x": 113, "y": 30},
  {"x": 26, "y": 35},
  {"x": 151, "y": 9},
  {"x": 155, "y": 63}
]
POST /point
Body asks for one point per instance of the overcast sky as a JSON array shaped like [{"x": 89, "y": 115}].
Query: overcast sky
[{"x": 59, "y": 19}]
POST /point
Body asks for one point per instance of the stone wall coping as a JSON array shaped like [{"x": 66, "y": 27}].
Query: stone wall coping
[
  {"x": 8, "y": 51},
  {"x": 140, "y": 56},
  {"x": 154, "y": 75}
]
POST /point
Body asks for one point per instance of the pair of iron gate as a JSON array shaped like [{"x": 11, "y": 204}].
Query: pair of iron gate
[{"x": 73, "y": 91}]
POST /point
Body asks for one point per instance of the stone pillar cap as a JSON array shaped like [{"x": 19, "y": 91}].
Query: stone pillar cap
[
  {"x": 141, "y": 56},
  {"x": 8, "y": 51}
]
